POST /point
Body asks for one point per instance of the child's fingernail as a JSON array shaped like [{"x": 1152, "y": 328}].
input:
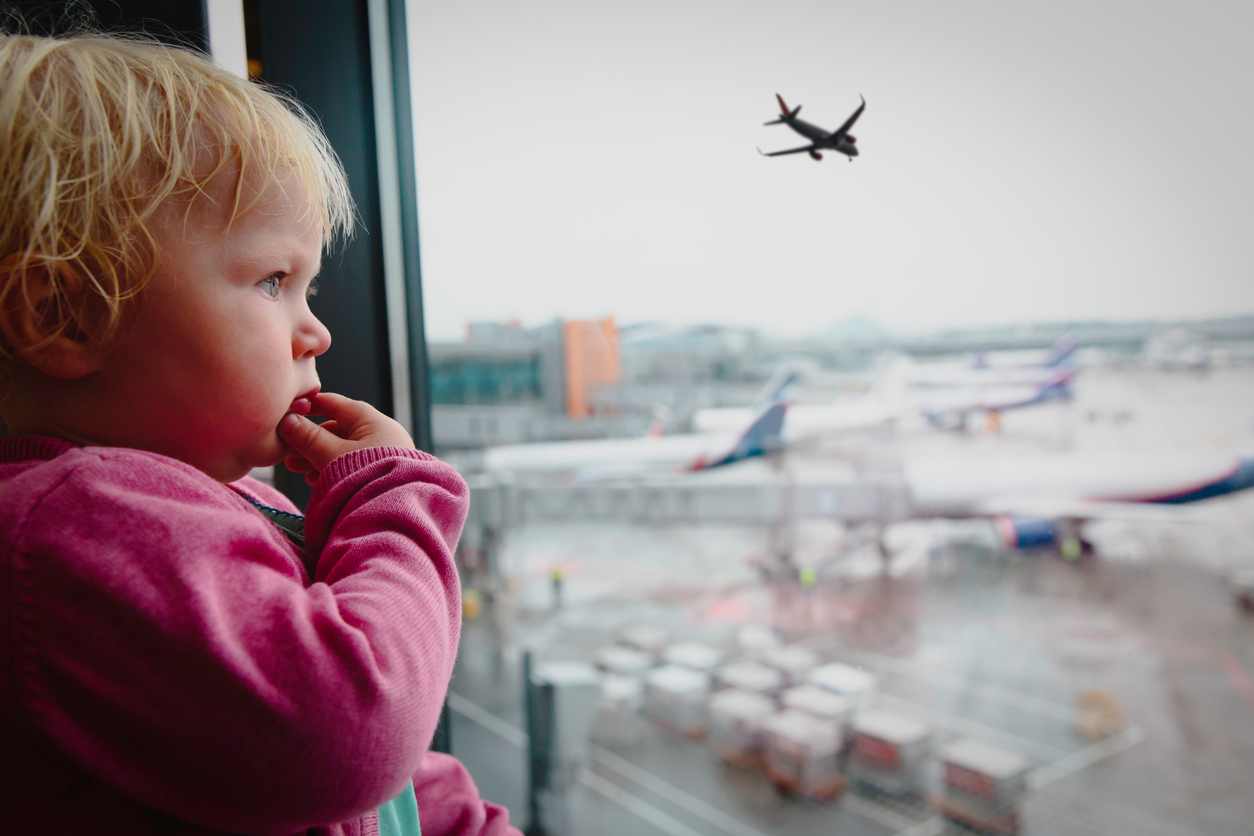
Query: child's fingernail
[
  {"x": 302, "y": 406},
  {"x": 290, "y": 422}
]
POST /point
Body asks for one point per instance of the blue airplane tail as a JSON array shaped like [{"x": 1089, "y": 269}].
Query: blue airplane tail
[
  {"x": 1239, "y": 478},
  {"x": 780, "y": 385},
  {"x": 762, "y": 438},
  {"x": 1064, "y": 351},
  {"x": 1057, "y": 387}
]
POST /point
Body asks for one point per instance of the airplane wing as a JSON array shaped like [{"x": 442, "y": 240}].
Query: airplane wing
[
  {"x": 787, "y": 151},
  {"x": 843, "y": 129}
]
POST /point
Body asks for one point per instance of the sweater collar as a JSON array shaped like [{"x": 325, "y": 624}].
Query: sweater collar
[{"x": 23, "y": 447}]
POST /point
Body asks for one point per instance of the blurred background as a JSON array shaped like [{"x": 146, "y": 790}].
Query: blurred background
[{"x": 1001, "y": 517}]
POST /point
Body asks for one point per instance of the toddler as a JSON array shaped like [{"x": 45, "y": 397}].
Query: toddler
[{"x": 183, "y": 652}]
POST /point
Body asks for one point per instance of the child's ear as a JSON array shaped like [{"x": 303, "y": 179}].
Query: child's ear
[{"x": 47, "y": 323}]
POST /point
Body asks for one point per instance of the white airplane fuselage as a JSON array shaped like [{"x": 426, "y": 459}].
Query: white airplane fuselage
[
  {"x": 629, "y": 457},
  {"x": 950, "y": 377},
  {"x": 807, "y": 421},
  {"x": 581, "y": 458},
  {"x": 966, "y": 486}
]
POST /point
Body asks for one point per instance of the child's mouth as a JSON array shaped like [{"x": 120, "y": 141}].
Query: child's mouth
[{"x": 303, "y": 404}]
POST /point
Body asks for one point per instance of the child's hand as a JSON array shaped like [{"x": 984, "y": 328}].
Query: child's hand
[{"x": 352, "y": 425}]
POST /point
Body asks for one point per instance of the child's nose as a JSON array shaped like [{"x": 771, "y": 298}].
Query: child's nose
[{"x": 312, "y": 339}]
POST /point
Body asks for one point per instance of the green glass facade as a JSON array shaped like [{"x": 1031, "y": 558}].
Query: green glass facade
[{"x": 459, "y": 381}]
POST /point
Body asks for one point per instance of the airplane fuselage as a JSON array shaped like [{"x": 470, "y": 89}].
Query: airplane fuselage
[
  {"x": 637, "y": 457},
  {"x": 963, "y": 487},
  {"x": 823, "y": 138}
]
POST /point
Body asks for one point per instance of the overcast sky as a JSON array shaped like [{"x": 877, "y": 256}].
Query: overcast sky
[{"x": 1020, "y": 161}]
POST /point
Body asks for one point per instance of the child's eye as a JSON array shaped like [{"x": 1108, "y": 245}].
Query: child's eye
[
  {"x": 312, "y": 290},
  {"x": 270, "y": 284}
]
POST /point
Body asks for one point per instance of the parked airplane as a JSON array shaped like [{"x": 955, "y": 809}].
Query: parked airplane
[
  {"x": 889, "y": 403},
  {"x": 621, "y": 458},
  {"x": 839, "y": 140},
  {"x": 1046, "y": 501},
  {"x": 980, "y": 373},
  {"x": 952, "y": 409},
  {"x": 1063, "y": 351}
]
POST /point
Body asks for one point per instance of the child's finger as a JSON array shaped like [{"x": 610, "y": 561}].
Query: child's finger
[
  {"x": 296, "y": 464},
  {"x": 338, "y": 407},
  {"x": 309, "y": 441}
]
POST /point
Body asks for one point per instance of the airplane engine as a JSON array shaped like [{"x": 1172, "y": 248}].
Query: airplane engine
[
  {"x": 816, "y": 155},
  {"x": 1030, "y": 533},
  {"x": 1025, "y": 533}
]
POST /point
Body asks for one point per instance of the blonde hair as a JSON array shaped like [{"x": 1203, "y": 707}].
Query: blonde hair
[{"x": 97, "y": 133}]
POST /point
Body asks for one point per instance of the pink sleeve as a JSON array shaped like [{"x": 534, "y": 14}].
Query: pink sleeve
[
  {"x": 449, "y": 802},
  {"x": 167, "y": 641}
]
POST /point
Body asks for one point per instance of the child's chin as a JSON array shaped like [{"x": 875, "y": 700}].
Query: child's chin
[
  {"x": 267, "y": 453},
  {"x": 271, "y": 455}
]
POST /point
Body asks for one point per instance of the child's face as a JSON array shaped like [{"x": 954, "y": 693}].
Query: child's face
[{"x": 222, "y": 340}]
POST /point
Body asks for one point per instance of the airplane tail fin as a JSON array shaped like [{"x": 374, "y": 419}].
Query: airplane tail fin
[
  {"x": 1064, "y": 351},
  {"x": 762, "y": 437},
  {"x": 780, "y": 384},
  {"x": 1058, "y": 386},
  {"x": 784, "y": 113}
]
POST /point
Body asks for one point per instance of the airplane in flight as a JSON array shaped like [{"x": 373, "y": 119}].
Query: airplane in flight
[
  {"x": 839, "y": 140},
  {"x": 621, "y": 458}
]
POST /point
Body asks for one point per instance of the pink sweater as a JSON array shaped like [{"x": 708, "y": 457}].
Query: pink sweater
[{"x": 172, "y": 666}]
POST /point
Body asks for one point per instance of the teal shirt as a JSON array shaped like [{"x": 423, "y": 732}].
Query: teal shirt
[{"x": 399, "y": 817}]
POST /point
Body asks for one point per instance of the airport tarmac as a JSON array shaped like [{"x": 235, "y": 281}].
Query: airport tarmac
[{"x": 976, "y": 641}]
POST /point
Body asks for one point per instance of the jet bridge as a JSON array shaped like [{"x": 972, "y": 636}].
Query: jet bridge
[{"x": 748, "y": 494}]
